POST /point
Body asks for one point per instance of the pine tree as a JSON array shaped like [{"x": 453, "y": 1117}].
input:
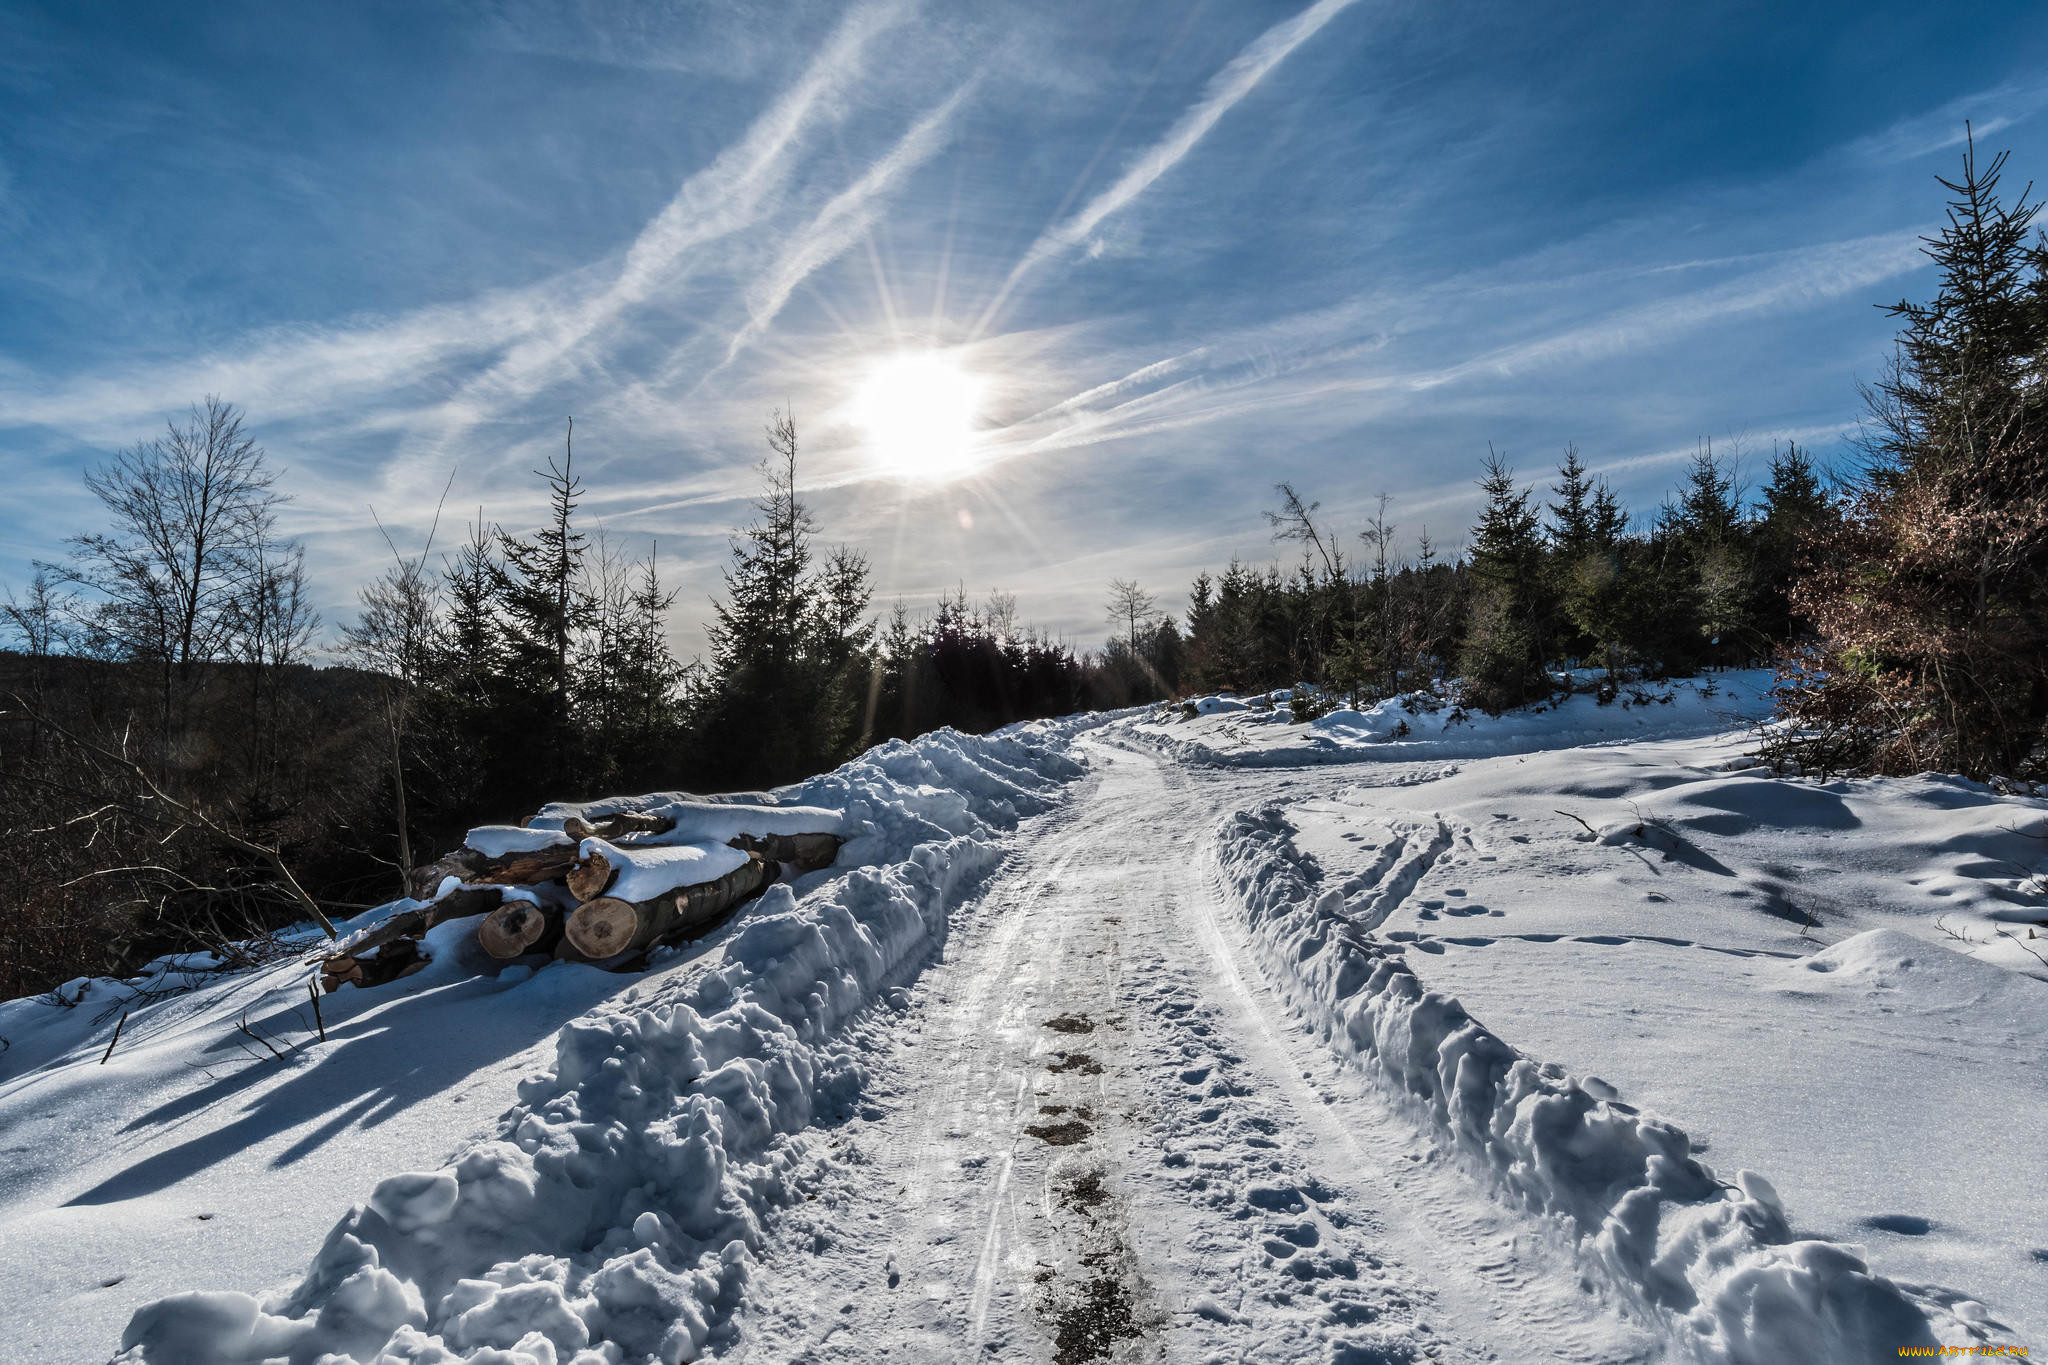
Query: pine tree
[
  {"x": 542, "y": 604},
  {"x": 1929, "y": 599},
  {"x": 1573, "y": 540},
  {"x": 1795, "y": 507},
  {"x": 1505, "y": 641},
  {"x": 791, "y": 667}
]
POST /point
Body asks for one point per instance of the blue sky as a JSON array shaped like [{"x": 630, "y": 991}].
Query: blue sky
[{"x": 1186, "y": 250}]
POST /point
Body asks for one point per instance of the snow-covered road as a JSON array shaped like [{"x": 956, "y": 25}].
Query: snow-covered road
[{"x": 1090, "y": 1130}]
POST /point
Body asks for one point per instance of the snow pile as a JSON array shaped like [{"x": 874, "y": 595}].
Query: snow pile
[
  {"x": 1717, "y": 1261},
  {"x": 613, "y": 1217},
  {"x": 697, "y": 820},
  {"x": 1212, "y": 731},
  {"x": 646, "y": 872}
]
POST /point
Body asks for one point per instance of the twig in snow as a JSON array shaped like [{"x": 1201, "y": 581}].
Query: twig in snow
[
  {"x": 2023, "y": 946},
  {"x": 115, "y": 1039},
  {"x": 1569, "y": 816},
  {"x": 314, "y": 991},
  {"x": 243, "y": 1025},
  {"x": 1941, "y": 923}
]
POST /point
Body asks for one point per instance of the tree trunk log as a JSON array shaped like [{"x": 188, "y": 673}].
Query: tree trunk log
[
  {"x": 808, "y": 852},
  {"x": 353, "y": 963},
  {"x": 550, "y": 864},
  {"x": 611, "y": 827},
  {"x": 517, "y": 928},
  {"x": 607, "y": 927}
]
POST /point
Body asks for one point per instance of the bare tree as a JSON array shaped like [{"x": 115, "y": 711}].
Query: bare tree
[
  {"x": 190, "y": 510},
  {"x": 395, "y": 638},
  {"x": 1000, "y": 614},
  {"x": 273, "y": 622},
  {"x": 38, "y": 621},
  {"x": 1296, "y": 521},
  {"x": 1130, "y": 607}
]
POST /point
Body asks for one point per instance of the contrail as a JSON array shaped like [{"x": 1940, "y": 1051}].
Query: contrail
[{"x": 1225, "y": 89}]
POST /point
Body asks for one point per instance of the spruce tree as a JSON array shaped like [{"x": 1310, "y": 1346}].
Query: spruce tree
[
  {"x": 790, "y": 667},
  {"x": 542, "y": 603},
  {"x": 1573, "y": 539},
  {"x": 1929, "y": 599},
  {"x": 1795, "y": 507},
  {"x": 1505, "y": 641}
]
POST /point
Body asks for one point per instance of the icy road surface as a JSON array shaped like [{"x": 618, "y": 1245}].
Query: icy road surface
[{"x": 1093, "y": 1134}]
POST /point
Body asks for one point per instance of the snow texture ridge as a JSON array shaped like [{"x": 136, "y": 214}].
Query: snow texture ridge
[
  {"x": 1716, "y": 1262},
  {"x": 614, "y": 1217}
]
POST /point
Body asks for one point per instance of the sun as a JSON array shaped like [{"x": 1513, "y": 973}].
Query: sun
[{"x": 919, "y": 409}]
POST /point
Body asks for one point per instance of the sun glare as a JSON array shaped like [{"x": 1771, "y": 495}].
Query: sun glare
[{"x": 919, "y": 410}]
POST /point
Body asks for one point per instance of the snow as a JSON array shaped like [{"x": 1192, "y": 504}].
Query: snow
[
  {"x": 701, "y": 821},
  {"x": 498, "y": 841},
  {"x": 1563, "y": 1034},
  {"x": 647, "y": 871},
  {"x": 1663, "y": 949}
]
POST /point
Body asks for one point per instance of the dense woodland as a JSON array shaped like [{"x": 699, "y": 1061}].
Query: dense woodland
[{"x": 176, "y": 772}]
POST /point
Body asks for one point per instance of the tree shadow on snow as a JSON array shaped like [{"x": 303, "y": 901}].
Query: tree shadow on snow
[{"x": 394, "y": 1053}]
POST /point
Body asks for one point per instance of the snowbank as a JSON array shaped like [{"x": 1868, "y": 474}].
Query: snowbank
[
  {"x": 1716, "y": 1261},
  {"x": 1223, "y": 735},
  {"x": 614, "y": 1215}
]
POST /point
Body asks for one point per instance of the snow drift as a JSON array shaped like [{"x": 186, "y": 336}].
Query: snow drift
[
  {"x": 1224, "y": 732},
  {"x": 613, "y": 1218},
  {"x": 1717, "y": 1261}
]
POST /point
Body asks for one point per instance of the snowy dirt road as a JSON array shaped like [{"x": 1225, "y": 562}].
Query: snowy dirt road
[{"x": 1091, "y": 1132}]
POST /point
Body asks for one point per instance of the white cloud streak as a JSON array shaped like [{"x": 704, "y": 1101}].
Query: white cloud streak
[{"x": 1224, "y": 90}]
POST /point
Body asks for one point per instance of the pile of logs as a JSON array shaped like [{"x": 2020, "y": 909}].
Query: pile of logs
[{"x": 579, "y": 921}]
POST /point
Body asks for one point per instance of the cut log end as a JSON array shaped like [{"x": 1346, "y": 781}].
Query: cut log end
[
  {"x": 604, "y": 927},
  {"x": 590, "y": 878},
  {"x": 517, "y": 928}
]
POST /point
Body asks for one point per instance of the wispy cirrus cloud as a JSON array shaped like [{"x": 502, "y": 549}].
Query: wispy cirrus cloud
[
  {"x": 1332, "y": 352},
  {"x": 843, "y": 221},
  {"x": 1985, "y": 112},
  {"x": 451, "y": 367},
  {"x": 1225, "y": 89}
]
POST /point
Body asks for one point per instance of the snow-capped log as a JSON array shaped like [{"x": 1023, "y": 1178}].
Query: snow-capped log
[
  {"x": 401, "y": 957},
  {"x": 609, "y": 925},
  {"x": 376, "y": 956},
  {"x": 594, "y": 874}
]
